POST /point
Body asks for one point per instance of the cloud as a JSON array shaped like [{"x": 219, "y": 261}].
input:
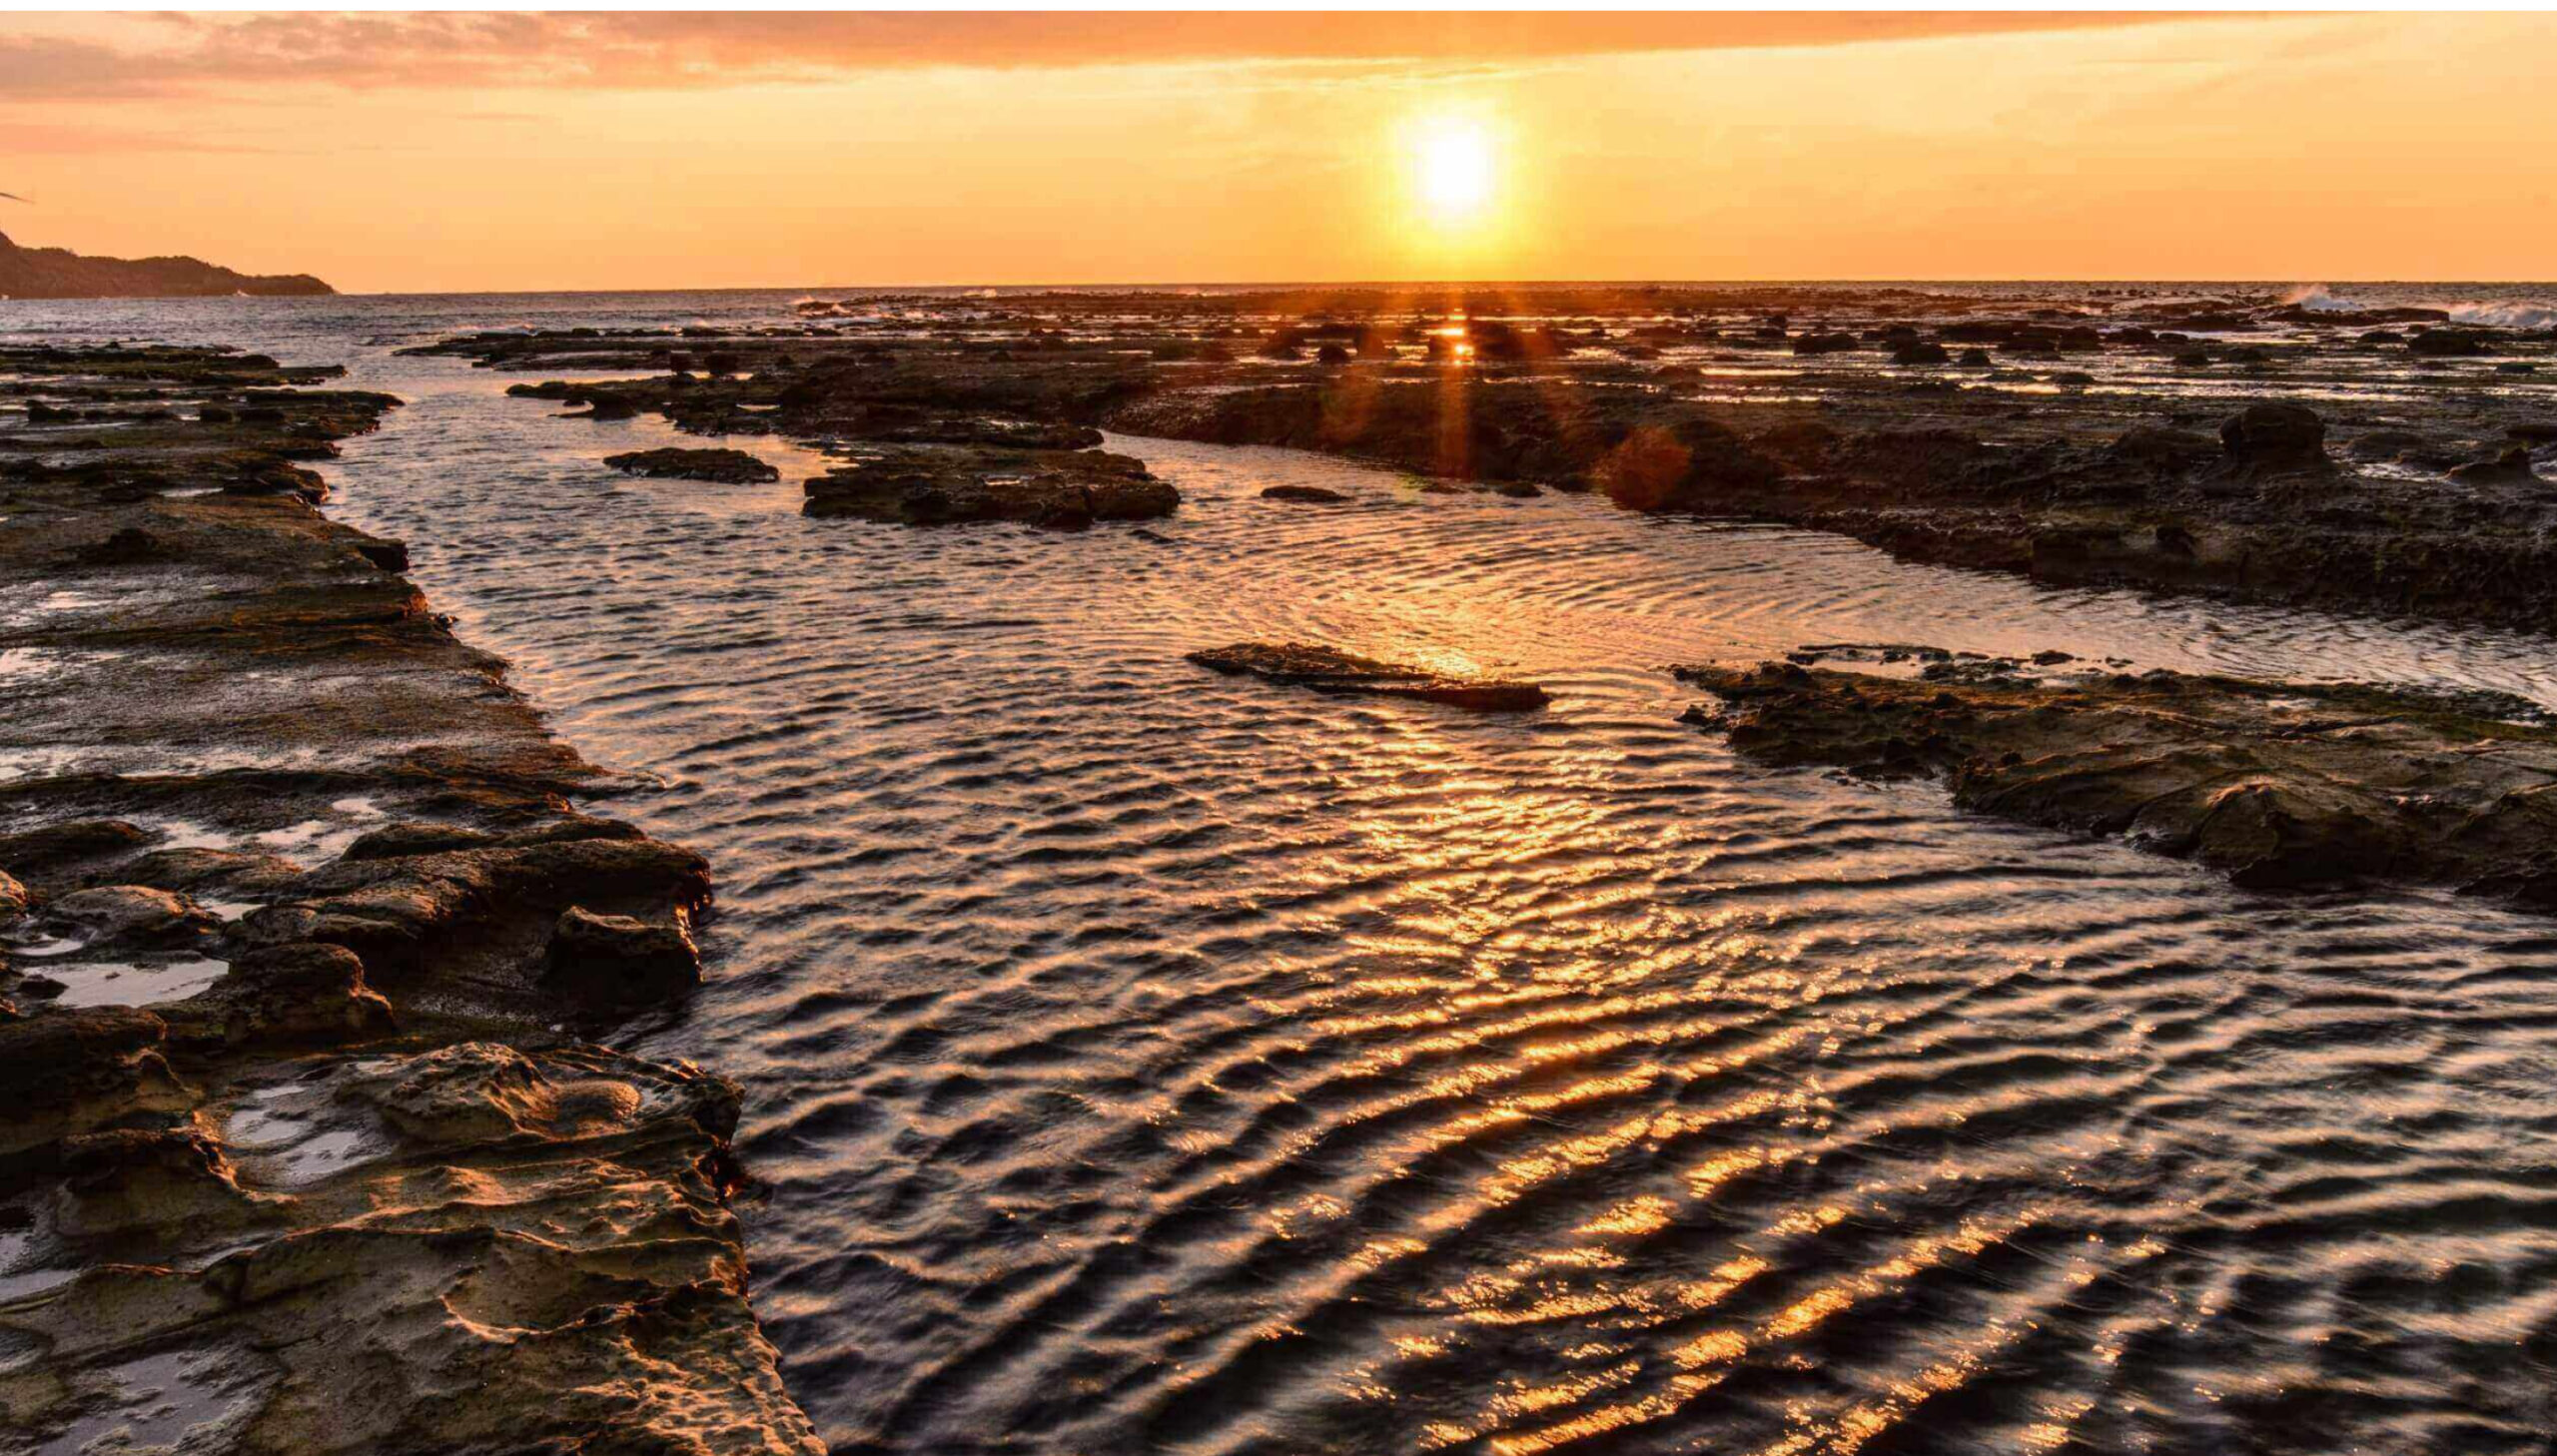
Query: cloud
[{"x": 179, "y": 54}]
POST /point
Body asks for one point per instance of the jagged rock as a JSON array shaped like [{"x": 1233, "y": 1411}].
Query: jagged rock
[
  {"x": 620, "y": 959},
  {"x": 13, "y": 897},
  {"x": 732, "y": 467},
  {"x": 1329, "y": 671}
]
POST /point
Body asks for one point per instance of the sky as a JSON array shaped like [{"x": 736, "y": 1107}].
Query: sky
[{"x": 522, "y": 151}]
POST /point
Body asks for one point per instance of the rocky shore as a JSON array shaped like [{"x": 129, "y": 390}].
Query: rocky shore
[
  {"x": 298, "y": 927},
  {"x": 2280, "y": 785},
  {"x": 2240, "y": 446}
]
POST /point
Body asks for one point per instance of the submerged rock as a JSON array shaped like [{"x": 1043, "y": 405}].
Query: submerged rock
[
  {"x": 1329, "y": 671},
  {"x": 728, "y": 468},
  {"x": 2278, "y": 784},
  {"x": 1306, "y": 495}
]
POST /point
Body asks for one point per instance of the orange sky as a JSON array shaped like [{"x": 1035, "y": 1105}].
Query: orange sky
[{"x": 525, "y": 151}]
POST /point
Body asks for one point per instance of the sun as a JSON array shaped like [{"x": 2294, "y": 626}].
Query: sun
[{"x": 1452, "y": 158}]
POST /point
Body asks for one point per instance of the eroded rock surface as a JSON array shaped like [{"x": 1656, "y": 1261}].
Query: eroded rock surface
[
  {"x": 304, "y": 1152},
  {"x": 2278, "y": 784}
]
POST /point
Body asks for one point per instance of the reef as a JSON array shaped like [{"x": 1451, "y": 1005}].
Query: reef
[
  {"x": 2281, "y": 785},
  {"x": 59, "y": 272},
  {"x": 302, "y": 927},
  {"x": 2238, "y": 447},
  {"x": 725, "y": 467},
  {"x": 1330, "y": 670}
]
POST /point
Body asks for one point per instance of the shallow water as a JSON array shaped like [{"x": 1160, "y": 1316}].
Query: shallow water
[{"x": 1139, "y": 1059}]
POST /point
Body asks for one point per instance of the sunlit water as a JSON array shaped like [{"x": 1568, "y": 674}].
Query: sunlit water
[{"x": 1144, "y": 1059}]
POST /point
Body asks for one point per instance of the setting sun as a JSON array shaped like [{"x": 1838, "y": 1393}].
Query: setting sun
[{"x": 1455, "y": 161}]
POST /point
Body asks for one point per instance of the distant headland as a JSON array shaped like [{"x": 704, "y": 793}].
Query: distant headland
[{"x": 59, "y": 272}]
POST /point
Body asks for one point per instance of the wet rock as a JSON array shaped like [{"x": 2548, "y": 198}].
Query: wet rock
[
  {"x": 196, "y": 871},
  {"x": 64, "y": 1070},
  {"x": 1309, "y": 494},
  {"x": 502, "y": 1251},
  {"x": 398, "y": 841},
  {"x": 128, "y": 546},
  {"x": 2162, "y": 448},
  {"x": 57, "y": 848},
  {"x": 301, "y": 992},
  {"x": 2512, "y": 467},
  {"x": 731, "y": 468},
  {"x": 2275, "y": 437},
  {"x": 394, "y": 913},
  {"x": 13, "y": 897},
  {"x": 144, "y": 1180},
  {"x": 925, "y": 485},
  {"x": 1923, "y": 352},
  {"x": 620, "y": 959},
  {"x": 2281, "y": 785},
  {"x": 130, "y": 916},
  {"x": 2448, "y": 344},
  {"x": 1329, "y": 671}
]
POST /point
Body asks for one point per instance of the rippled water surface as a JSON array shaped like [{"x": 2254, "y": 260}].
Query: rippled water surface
[{"x": 1145, "y": 1060}]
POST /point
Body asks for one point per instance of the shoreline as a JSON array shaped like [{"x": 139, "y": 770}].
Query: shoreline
[{"x": 300, "y": 924}]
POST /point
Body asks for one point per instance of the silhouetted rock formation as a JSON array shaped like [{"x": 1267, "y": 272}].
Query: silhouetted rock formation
[{"x": 59, "y": 272}]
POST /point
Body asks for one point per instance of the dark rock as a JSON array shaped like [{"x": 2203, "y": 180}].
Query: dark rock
[
  {"x": 2275, "y": 437},
  {"x": 130, "y": 916},
  {"x": 1310, "y": 495},
  {"x": 1330, "y": 670},
  {"x": 615, "y": 960},
  {"x": 925, "y": 485},
  {"x": 303, "y": 992},
  {"x": 2448, "y": 344},
  {"x": 1922, "y": 353},
  {"x": 733, "y": 467},
  {"x": 2512, "y": 467}
]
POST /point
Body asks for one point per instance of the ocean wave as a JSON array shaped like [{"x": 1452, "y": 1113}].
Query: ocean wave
[
  {"x": 2504, "y": 316},
  {"x": 2505, "y": 313}
]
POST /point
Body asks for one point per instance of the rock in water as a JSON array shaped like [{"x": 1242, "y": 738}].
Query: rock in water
[
  {"x": 727, "y": 468},
  {"x": 2278, "y": 784},
  {"x": 953, "y": 485},
  {"x": 1303, "y": 494},
  {"x": 618, "y": 960},
  {"x": 1329, "y": 671}
]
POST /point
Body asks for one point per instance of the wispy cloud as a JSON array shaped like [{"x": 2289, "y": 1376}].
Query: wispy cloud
[{"x": 179, "y": 54}]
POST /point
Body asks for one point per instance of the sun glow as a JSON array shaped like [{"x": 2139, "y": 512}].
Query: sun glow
[{"x": 1453, "y": 160}]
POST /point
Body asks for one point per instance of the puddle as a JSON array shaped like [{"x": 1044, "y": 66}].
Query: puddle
[{"x": 133, "y": 983}]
